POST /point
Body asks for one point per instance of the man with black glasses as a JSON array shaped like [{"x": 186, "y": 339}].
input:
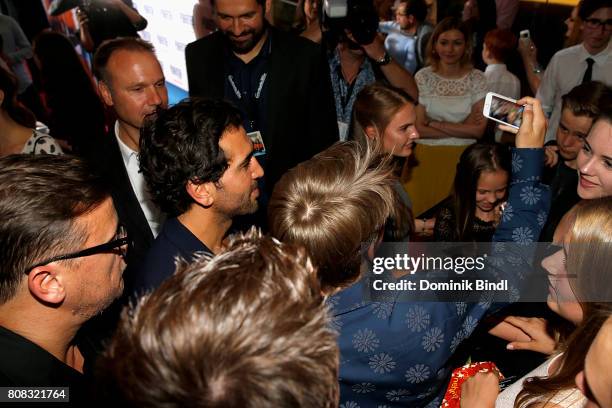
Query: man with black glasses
[{"x": 62, "y": 263}]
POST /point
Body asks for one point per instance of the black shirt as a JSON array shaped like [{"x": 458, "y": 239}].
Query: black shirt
[
  {"x": 564, "y": 195},
  {"x": 250, "y": 81},
  {"x": 25, "y": 364},
  {"x": 174, "y": 240}
]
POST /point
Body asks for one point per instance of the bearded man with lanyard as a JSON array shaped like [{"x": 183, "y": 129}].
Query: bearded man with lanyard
[{"x": 279, "y": 81}]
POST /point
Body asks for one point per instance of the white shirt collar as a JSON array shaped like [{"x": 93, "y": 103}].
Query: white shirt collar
[
  {"x": 496, "y": 67},
  {"x": 599, "y": 58},
  {"x": 127, "y": 154}
]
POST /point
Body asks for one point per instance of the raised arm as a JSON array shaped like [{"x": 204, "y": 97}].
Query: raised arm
[
  {"x": 138, "y": 21},
  {"x": 397, "y": 75}
]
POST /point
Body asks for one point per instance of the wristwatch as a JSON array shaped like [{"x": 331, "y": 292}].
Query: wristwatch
[{"x": 384, "y": 60}]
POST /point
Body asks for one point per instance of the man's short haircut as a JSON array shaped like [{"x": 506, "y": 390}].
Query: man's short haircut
[
  {"x": 40, "y": 198},
  {"x": 587, "y": 99},
  {"x": 109, "y": 47},
  {"x": 588, "y": 7},
  {"x": 331, "y": 204},
  {"x": 417, "y": 8},
  {"x": 500, "y": 43},
  {"x": 247, "y": 328},
  {"x": 181, "y": 144}
]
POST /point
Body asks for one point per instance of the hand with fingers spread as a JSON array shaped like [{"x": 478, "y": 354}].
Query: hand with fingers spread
[
  {"x": 533, "y": 126},
  {"x": 536, "y": 329}
]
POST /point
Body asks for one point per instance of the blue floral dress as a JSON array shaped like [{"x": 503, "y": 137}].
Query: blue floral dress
[{"x": 398, "y": 353}]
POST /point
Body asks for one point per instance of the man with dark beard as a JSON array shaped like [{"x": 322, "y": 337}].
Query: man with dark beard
[
  {"x": 198, "y": 164},
  {"x": 279, "y": 81}
]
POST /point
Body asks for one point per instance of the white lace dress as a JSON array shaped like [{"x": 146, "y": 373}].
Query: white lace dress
[{"x": 449, "y": 100}]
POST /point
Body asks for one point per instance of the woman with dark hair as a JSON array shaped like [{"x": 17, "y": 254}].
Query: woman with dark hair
[
  {"x": 472, "y": 211},
  {"x": 449, "y": 113},
  {"x": 76, "y": 112},
  {"x": 579, "y": 263},
  {"x": 17, "y": 124}
]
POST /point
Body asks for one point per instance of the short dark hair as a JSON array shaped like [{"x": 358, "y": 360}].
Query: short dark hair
[
  {"x": 40, "y": 197},
  {"x": 587, "y": 99},
  {"x": 588, "y": 7},
  {"x": 109, "y": 47},
  {"x": 181, "y": 144},
  {"x": 417, "y": 8},
  {"x": 247, "y": 328},
  {"x": 500, "y": 43}
]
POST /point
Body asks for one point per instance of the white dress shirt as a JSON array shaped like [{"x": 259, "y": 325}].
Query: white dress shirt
[
  {"x": 503, "y": 82},
  {"x": 152, "y": 213},
  {"x": 564, "y": 72}
]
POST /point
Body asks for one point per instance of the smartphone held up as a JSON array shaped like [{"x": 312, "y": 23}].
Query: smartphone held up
[{"x": 503, "y": 110}]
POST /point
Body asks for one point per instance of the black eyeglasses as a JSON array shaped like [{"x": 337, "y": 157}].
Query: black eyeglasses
[
  {"x": 119, "y": 243},
  {"x": 595, "y": 23}
]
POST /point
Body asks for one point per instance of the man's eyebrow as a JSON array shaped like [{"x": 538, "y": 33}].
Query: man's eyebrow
[{"x": 247, "y": 159}]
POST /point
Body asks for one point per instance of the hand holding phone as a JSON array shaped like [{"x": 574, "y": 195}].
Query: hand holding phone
[{"x": 533, "y": 127}]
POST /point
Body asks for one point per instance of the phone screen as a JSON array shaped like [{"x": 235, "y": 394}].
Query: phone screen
[{"x": 506, "y": 111}]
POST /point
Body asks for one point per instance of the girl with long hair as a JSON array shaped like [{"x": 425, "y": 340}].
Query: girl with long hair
[{"x": 472, "y": 211}]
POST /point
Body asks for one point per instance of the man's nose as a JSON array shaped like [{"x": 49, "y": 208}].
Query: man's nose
[
  {"x": 154, "y": 96},
  {"x": 258, "y": 171},
  {"x": 236, "y": 27}
]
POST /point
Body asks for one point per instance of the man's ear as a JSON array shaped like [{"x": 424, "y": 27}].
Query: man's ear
[
  {"x": 1, "y": 97},
  {"x": 47, "y": 284},
  {"x": 105, "y": 93},
  {"x": 268, "y": 10},
  {"x": 371, "y": 132},
  {"x": 202, "y": 193}
]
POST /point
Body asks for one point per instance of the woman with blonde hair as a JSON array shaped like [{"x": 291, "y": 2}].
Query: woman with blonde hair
[
  {"x": 449, "y": 113},
  {"x": 384, "y": 118},
  {"x": 577, "y": 268}
]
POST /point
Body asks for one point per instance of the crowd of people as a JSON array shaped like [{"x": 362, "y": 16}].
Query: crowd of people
[{"x": 219, "y": 251}]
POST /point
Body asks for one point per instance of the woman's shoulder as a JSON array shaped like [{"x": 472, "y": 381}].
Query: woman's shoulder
[{"x": 424, "y": 73}]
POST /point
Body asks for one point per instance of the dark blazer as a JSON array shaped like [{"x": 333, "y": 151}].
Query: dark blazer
[
  {"x": 105, "y": 156},
  {"x": 301, "y": 113}
]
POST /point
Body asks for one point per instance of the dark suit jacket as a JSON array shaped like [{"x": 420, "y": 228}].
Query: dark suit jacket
[
  {"x": 301, "y": 112},
  {"x": 105, "y": 156}
]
